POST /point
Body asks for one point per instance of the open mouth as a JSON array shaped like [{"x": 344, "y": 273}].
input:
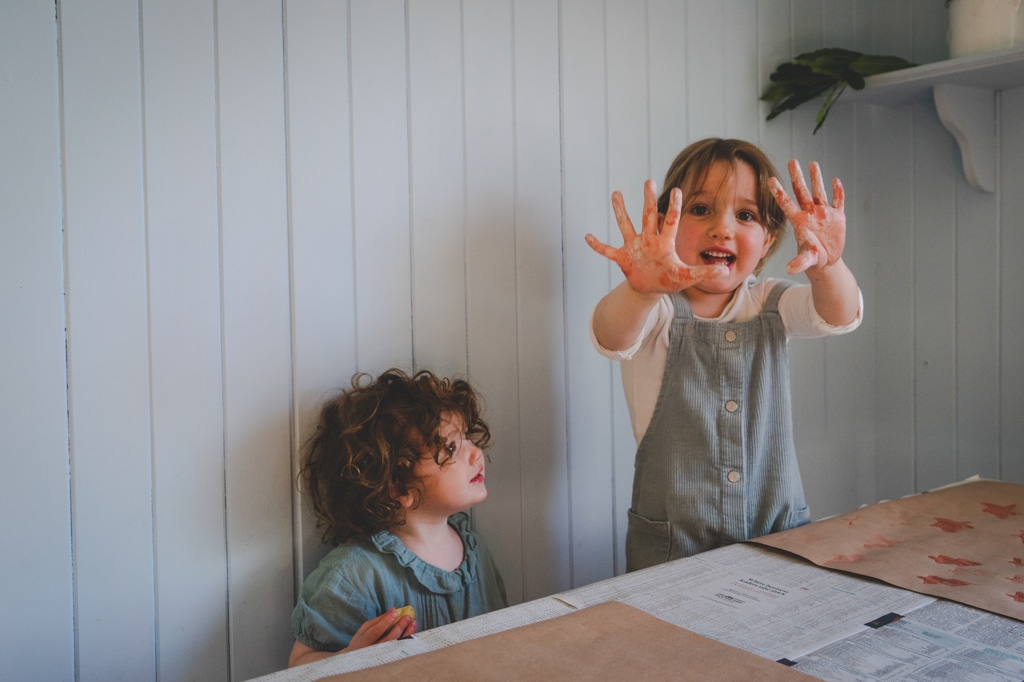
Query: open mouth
[
  {"x": 716, "y": 257},
  {"x": 479, "y": 478}
]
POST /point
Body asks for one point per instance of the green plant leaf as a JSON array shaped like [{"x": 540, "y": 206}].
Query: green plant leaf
[
  {"x": 827, "y": 70},
  {"x": 830, "y": 99}
]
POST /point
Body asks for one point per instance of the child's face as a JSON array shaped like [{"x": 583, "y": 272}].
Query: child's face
[
  {"x": 457, "y": 483},
  {"x": 722, "y": 224}
]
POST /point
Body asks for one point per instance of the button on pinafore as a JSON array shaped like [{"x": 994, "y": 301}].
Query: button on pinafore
[{"x": 717, "y": 463}]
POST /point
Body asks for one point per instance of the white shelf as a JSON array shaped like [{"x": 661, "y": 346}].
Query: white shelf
[{"x": 963, "y": 91}]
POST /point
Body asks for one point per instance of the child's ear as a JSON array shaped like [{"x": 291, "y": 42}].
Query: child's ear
[
  {"x": 769, "y": 239},
  {"x": 408, "y": 499}
]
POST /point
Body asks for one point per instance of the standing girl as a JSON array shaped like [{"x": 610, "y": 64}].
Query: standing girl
[
  {"x": 702, "y": 344},
  {"x": 391, "y": 471}
]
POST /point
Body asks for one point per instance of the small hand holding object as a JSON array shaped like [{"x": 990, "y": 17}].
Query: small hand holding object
[
  {"x": 819, "y": 227},
  {"x": 391, "y": 625},
  {"x": 649, "y": 259}
]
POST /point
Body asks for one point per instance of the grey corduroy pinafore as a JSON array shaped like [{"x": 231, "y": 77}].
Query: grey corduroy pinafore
[{"x": 717, "y": 463}]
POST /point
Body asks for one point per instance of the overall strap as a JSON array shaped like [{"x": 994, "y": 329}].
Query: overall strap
[
  {"x": 681, "y": 307},
  {"x": 771, "y": 304}
]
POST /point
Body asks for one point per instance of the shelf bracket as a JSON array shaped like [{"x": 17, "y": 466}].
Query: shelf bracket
[{"x": 969, "y": 113}]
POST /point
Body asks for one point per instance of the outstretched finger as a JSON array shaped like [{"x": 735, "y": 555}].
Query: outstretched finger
[
  {"x": 622, "y": 218},
  {"x": 838, "y": 194},
  {"x": 818, "y": 185},
  {"x": 670, "y": 223},
  {"x": 652, "y": 220},
  {"x": 609, "y": 252},
  {"x": 781, "y": 198},
  {"x": 796, "y": 177}
]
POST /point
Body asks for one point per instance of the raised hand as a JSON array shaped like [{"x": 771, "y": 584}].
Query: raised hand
[
  {"x": 819, "y": 227},
  {"x": 648, "y": 259}
]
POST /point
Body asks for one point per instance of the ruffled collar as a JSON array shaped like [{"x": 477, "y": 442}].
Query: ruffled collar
[{"x": 435, "y": 579}]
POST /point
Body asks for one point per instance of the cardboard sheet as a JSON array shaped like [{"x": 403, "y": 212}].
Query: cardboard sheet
[
  {"x": 964, "y": 543},
  {"x": 609, "y": 641}
]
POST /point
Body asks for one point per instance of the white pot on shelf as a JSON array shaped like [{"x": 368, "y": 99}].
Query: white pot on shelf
[{"x": 977, "y": 26}]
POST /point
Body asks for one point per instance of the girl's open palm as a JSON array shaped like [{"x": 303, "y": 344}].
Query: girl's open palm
[
  {"x": 648, "y": 259},
  {"x": 819, "y": 227}
]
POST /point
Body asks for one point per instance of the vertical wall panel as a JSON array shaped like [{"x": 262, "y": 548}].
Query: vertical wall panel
[
  {"x": 849, "y": 360},
  {"x": 437, "y": 185},
  {"x": 320, "y": 214},
  {"x": 977, "y": 331},
  {"x": 739, "y": 71},
  {"x": 934, "y": 313},
  {"x": 256, "y": 323},
  {"x": 108, "y": 353},
  {"x": 774, "y": 43},
  {"x": 629, "y": 101},
  {"x": 35, "y": 514},
  {"x": 705, "y": 54},
  {"x": 540, "y": 294},
  {"x": 380, "y": 159},
  {"x": 930, "y": 28},
  {"x": 888, "y": 137},
  {"x": 667, "y": 86},
  {"x": 1011, "y": 286},
  {"x": 586, "y": 192},
  {"x": 890, "y": 28},
  {"x": 184, "y": 275},
  {"x": 890, "y": 198},
  {"x": 490, "y": 267}
]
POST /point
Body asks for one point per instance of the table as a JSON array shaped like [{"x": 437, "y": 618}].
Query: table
[{"x": 831, "y": 625}]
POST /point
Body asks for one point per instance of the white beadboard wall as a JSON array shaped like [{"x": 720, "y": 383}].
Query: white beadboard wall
[{"x": 215, "y": 211}]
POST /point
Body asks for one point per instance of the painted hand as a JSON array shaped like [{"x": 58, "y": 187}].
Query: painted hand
[
  {"x": 648, "y": 259},
  {"x": 819, "y": 227}
]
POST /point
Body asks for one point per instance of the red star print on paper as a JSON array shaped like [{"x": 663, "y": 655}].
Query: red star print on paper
[
  {"x": 938, "y": 580},
  {"x": 943, "y": 559},
  {"x": 951, "y": 526},
  {"x": 879, "y": 541},
  {"x": 998, "y": 510}
]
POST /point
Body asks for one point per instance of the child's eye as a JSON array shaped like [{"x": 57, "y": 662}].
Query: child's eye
[
  {"x": 699, "y": 209},
  {"x": 747, "y": 216},
  {"x": 446, "y": 454}
]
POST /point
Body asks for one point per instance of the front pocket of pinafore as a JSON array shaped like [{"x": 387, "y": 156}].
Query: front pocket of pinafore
[{"x": 648, "y": 543}]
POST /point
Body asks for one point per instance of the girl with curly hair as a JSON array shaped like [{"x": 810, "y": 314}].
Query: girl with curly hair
[{"x": 393, "y": 467}]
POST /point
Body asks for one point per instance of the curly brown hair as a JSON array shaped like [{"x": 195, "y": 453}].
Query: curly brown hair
[
  {"x": 369, "y": 438},
  {"x": 691, "y": 168}
]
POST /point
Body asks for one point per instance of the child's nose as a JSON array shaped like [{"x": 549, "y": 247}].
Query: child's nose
[
  {"x": 722, "y": 227},
  {"x": 475, "y": 453}
]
